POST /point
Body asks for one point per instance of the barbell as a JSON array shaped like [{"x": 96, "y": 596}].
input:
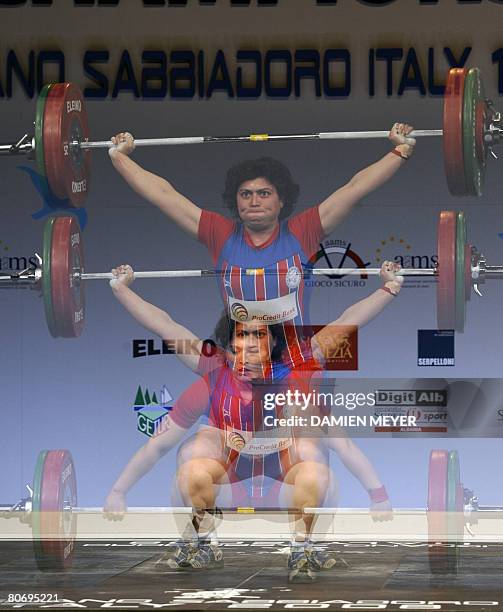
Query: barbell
[
  {"x": 61, "y": 275},
  {"x": 61, "y": 144},
  {"x": 52, "y": 510}
]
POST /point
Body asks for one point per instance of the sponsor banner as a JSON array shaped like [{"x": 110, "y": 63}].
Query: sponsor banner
[
  {"x": 428, "y": 409},
  {"x": 248, "y": 444},
  {"x": 336, "y": 345},
  {"x": 266, "y": 312},
  {"x": 435, "y": 347}
]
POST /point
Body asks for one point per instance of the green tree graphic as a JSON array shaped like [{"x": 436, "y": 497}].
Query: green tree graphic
[{"x": 139, "y": 401}]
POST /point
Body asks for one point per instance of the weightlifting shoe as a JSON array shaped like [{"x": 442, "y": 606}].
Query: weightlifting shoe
[
  {"x": 318, "y": 559},
  {"x": 298, "y": 565},
  {"x": 195, "y": 555}
]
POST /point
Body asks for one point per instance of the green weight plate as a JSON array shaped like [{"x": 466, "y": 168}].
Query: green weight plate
[
  {"x": 46, "y": 276},
  {"x": 39, "y": 130},
  {"x": 472, "y": 98},
  {"x": 460, "y": 271},
  {"x": 446, "y": 286},
  {"x": 36, "y": 499},
  {"x": 453, "y": 480},
  {"x": 468, "y": 271},
  {"x": 443, "y": 513},
  {"x": 455, "y": 519},
  {"x": 482, "y": 115}
]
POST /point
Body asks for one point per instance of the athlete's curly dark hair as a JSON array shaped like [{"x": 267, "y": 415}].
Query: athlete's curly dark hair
[
  {"x": 265, "y": 167},
  {"x": 224, "y": 332}
]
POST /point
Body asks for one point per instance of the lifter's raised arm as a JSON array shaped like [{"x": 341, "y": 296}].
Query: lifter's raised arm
[
  {"x": 151, "y": 317},
  {"x": 360, "y": 313},
  {"x": 339, "y": 204},
  {"x": 156, "y": 190}
]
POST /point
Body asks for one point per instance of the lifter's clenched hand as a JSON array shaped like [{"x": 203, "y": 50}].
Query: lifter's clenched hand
[
  {"x": 122, "y": 275},
  {"x": 122, "y": 143},
  {"x": 381, "y": 511},
  {"x": 399, "y": 136},
  {"x": 115, "y": 506}
]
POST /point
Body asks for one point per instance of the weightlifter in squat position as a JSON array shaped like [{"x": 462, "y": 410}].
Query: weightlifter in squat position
[{"x": 225, "y": 447}]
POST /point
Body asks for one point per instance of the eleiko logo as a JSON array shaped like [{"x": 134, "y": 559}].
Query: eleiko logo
[{"x": 181, "y": 346}]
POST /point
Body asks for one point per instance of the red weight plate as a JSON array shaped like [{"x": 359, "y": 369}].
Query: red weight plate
[
  {"x": 468, "y": 272},
  {"x": 480, "y": 127},
  {"x": 446, "y": 286},
  {"x": 58, "y": 525},
  {"x": 453, "y": 131},
  {"x": 437, "y": 481},
  {"x": 67, "y": 259},
  {"x": 65, "y": 122},
  {"x": 437, "y": 516}
]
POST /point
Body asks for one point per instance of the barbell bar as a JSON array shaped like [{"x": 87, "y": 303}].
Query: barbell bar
[
  {"x": 62, "y": 274},
  {"x": 61, "y": 143},
  {"x": 152, "y": 142},
  {"x": 254, "y": 272},
  {"x": 26, "y": 145}
]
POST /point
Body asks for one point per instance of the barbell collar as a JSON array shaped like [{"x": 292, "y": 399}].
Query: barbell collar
[
  {"x": 149, "y": 142},
  {"x": 23, "y": 280},
  {"x": 21, "y": 148}
]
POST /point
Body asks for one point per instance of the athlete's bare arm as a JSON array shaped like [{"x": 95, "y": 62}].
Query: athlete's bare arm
[
  {"x": 359, "y": 314},
  {"x": 336, "y": 207},
  {"x": 365, "y": 310},
  {"x": 188, "y": 408},
  {"x": 151, "y": 317},
  {"x": 153, "y": 188},
  {"x": 139, "y": 464},
  {"x": 360, "y": 466}
]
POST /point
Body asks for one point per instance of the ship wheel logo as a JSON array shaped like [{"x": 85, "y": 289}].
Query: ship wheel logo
[{"x": 337, "y": 257}]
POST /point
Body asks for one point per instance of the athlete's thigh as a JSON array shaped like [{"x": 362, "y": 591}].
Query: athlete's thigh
[
  {"x": 309, "y": 456},
  {"x": 207, "y": 443},
  {"x": 204, "y": 450}
]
